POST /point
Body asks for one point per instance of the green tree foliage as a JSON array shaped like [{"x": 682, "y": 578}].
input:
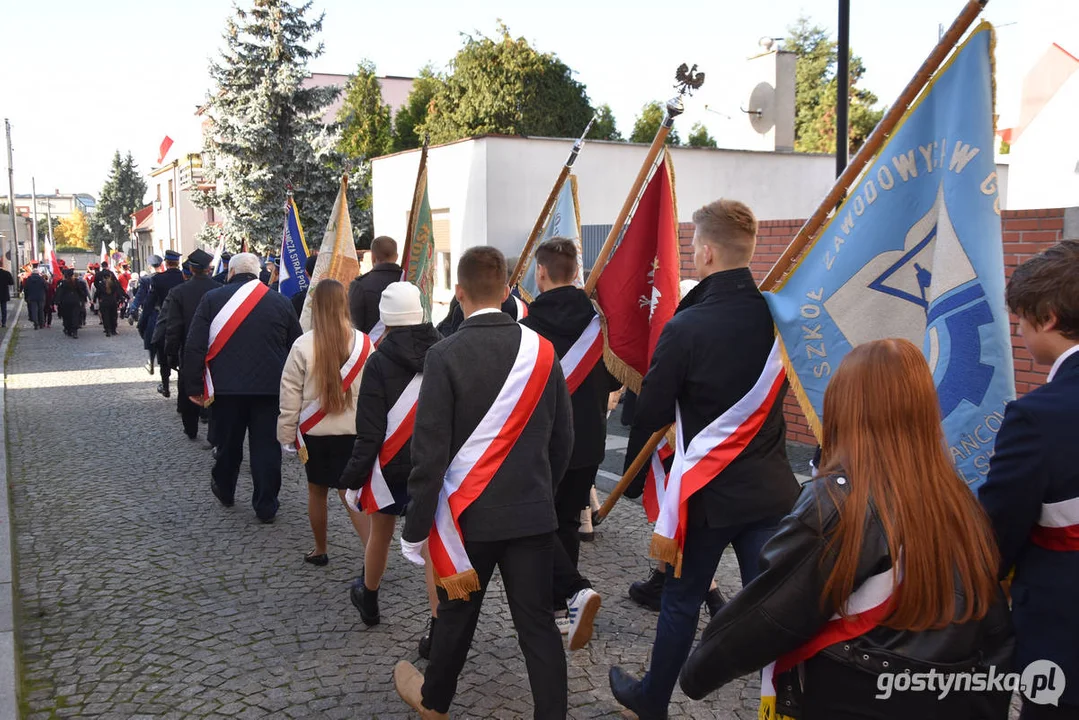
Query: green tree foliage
[
  {"x": 413, "y": 113},
  {"x": 366, "y": 133},
  {"x": 815, "y": 91},
  {"x": 266, "y": 129},
  {"x": 121, "y": 195},
  {"x": 647, "y": 125},
  {"x": 699, "y": 137},
  {"x": 503, "y": 86},
  {"x": 43, "y": 226},
  {"x": 604, "y": 128}
]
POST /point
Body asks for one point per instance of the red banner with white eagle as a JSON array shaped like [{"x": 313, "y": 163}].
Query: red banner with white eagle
[{"x": 638, "y": 290}]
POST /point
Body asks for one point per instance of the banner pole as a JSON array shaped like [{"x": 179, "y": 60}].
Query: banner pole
[
  {"x": 417, "y": 199},
  {"x": 526, "y": 253},
  {"x": 872, "y": 144},
  {"x": 631, "y": 472}
]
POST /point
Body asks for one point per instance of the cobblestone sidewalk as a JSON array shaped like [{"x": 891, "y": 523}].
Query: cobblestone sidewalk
[{"x": 142, "y": 597}]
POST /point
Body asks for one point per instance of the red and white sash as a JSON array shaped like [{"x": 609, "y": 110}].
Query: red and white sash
[
  {"x": 865, "y": 609},
  {"x": 583, "y": 355},
  {"x": 313, "y": 414},
  {"x": 376, "y": 494},
  {"x": 377, "y": 332},
  {"x": 522, "y": 308},
  {"x": 482, "y": 454},
  {"x": 226, "y": 322},
  {"x": 708, "y": 454},
  {"x": 1058, "y": 526},
  {"x": 655, "y": 483}
]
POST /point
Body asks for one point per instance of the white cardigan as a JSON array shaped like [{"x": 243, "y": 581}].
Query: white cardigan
[{"x": 298, "y": 391}]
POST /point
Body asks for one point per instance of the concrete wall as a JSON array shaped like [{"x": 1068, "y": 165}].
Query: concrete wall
[{"x": 1044, "y": 161}]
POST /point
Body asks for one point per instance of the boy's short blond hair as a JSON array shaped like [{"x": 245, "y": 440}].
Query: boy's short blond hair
[{"x": 730, "y": 227}]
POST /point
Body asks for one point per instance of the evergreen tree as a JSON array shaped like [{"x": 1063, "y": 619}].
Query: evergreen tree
[
  {"x": 121, "y": 196},
  {"x": 266, "y": 130},
  {"x": 648, "y": 122},
  {"x": 604, "y": 128},
  {"x": 504, "y": 86},
  {"x": 413, "y": 113},
  {"x": 815, "y": 91},
  {"x": 366, "y": 133},
  {"x": 699, "y": 137}
]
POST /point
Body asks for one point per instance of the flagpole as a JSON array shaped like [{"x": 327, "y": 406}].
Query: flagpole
[
  {"x": 813, "y": 225},
  {"x": 873, "y": 143},
  {"x": 413, "y": 217},
  {"x": 541, "y": 221}
]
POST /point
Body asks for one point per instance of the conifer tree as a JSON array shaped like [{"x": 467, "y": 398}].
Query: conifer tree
[
  {"x": 121, "y": 196},
  {"x": 266, "y": 130}
]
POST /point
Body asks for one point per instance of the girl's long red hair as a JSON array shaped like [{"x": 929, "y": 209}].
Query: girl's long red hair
[
  {"x": 333, "y": 342},
  {"x": 882, "y": 431}
]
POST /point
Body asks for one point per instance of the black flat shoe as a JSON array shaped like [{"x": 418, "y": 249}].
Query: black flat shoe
[
  {"x": 227, "y": 502},
  {"x": 319, "y": 560},
  {"x": 163, "y": 390},
  {"x": 627, "y": 691}
]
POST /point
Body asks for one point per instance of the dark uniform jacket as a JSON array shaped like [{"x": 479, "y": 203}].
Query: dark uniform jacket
[
  {"x": 365, "y": 292},
  {"x": 252, "y": 360},
  {"x": 781, "y": 610},
  {"x": 71, "y": 294},
  {"x": 561, "y": 315},
  {"x": 33, "y": 288},
  {"x": 708, "y": 357},
  {"x": 222, "y": 278},
  {"x": 6, "y": 282},
  {"x": 388, "y": 371},
  {"x": 1036, "y": 461},
  {"x": 160, "y": 285},
  {"x": 462, "y": 376},
  {"x": 456, "y": 316},
  {"x": 183, "y": 301}
]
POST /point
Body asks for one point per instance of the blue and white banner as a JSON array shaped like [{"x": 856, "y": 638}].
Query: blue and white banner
[
  {"x": 915, "y": 252},
  {"x": 292, "y": 273},
  {"x": 565, "y": 222}
]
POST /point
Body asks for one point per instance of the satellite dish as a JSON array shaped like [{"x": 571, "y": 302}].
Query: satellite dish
[
  {"x": 126, "y": 247},
  {"x": 762, "y": 108}
]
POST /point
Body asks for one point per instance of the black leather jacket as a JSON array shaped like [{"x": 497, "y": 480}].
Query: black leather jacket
[{"x": 781, "y": 610}]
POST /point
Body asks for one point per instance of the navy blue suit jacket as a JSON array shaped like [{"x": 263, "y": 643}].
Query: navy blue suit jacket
[{"x": 1036, "y": 461}]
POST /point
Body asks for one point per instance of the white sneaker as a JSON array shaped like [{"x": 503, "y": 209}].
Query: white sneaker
[
  {"x": 562, "y": 623},
  {"x": 583, "y": 607}
]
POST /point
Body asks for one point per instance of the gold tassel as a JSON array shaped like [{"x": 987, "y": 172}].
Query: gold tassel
[
  {"x": 461, "y": 585},
  {"x": 799, "y": 391},
  {"x": 301, "y": 452},
  {"x": 666, "y": 549}
]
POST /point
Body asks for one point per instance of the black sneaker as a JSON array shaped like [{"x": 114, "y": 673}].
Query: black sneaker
[
  {"x": 163, "y": 390},
  {"x": 649, "y": 592},
  {"x": 715, "y": 601},
  {"x": 425, "y": 641}
]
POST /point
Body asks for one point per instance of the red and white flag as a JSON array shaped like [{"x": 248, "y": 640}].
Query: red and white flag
[
  {"x": 400, "y": 422},
  {"x": 313, "y": 414},
  {"x": 163, "y": 151},
  {"x": 708, "y": 454},
  {"x": 638, "y": 290},
  {"x": 480, "y": 458}
]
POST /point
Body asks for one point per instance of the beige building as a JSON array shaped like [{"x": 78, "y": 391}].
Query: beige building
[{"x": 175, "y": 218}]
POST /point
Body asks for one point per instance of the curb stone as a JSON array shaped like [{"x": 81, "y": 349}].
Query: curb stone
[{"x": 9, "y": 668}]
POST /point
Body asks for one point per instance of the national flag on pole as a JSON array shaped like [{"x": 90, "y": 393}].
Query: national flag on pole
[
  {"x": 337, "y": 257},
  {"x": 50, "y": 257},
  {"x": 104, "y": 253},
  {"x": 638, "y": 290},
  {"x": 292, "y": 273},
  {"x": 565, "y": 222},
  {"x": 218, "y": 262},
  {"x": 915, "y": 252},
  {"x": 420, "y": 263},
  {"x": 163, "y": 151}
]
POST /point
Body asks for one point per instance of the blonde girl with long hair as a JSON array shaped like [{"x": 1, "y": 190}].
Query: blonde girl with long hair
[{"x": 312, "y": 380}]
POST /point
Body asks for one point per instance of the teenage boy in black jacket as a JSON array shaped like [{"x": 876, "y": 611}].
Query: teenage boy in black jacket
[
  {"x": 507, "y": 490},
  {"x": 709, "y": 356},
  {"x": 365, "y": 292},
  {"x": 563, "y": 313}
]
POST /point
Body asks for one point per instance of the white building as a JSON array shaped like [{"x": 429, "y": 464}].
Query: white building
[{"x": 176, "y": 220}]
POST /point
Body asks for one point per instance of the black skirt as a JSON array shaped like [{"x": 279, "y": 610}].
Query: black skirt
[{"x": 327, "y": 456}]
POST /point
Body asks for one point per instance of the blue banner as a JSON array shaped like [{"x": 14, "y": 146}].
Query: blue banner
[
  {"x": 915, "y": 252},
  {"x": 292, "y": 274},
  {"x": 565, "y": 222}
]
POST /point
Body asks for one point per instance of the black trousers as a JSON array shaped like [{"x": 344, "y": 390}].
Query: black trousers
[
  {"x": 570, "y": 498},
  {"x": 1048, "y": 712},
  {"x": 525, "y": 565},
  {"x": 256, "y": 417},
  {"x": 189, "y": 411},
  {"x": 109, "y": 312},
  {"x": 70, "y": 315}
]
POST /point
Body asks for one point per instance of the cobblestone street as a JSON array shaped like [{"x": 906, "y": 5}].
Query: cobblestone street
[{"x": 141, "y": 596}]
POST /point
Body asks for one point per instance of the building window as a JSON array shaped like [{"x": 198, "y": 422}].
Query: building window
[{"x": 170, "y": 193}]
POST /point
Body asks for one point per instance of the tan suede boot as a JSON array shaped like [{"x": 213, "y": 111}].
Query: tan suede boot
[{"x": 409, "y": 683}]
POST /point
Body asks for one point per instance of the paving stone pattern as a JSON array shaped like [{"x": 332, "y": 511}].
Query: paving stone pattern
[{"x": 142, "y": 597}]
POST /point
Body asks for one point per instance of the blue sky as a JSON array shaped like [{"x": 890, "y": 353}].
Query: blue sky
[{"x": 93, "y": 77}]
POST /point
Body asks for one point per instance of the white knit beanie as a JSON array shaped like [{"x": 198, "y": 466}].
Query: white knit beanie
[{"x": 400, "y": 305}]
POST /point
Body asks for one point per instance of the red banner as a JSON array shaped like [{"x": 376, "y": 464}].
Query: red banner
[
  {"x": 164, "y": 149},
  {"x": 638, "y": 290}
]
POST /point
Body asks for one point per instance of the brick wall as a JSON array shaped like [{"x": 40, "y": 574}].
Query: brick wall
[{"x": 1026, "y": 232}]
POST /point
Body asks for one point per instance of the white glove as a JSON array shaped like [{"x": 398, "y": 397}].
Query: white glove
[
  {"x": 413, "y": 551},
  {"x": 352, "y": 500},
  {"x": 290, "y": 448}
]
